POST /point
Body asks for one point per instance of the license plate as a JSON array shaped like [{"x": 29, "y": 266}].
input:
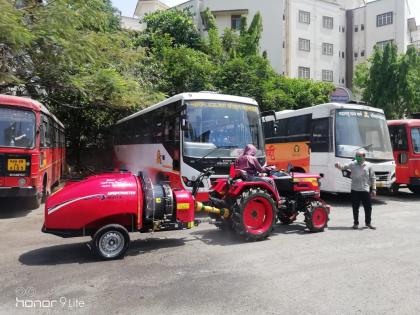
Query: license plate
[
  {"x": 380, "y": 184},
  {"x": 16, "y": 165}
]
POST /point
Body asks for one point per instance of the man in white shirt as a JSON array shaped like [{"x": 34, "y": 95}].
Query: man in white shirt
[{"x": 363, "y": 186}]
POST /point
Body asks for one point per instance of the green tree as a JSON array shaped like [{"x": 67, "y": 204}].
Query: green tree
[
  {"x": 186, "y": 70},
  {"x": 390, "y": 82},
  {"x": 177, "y": 25},
  {"x": 73, "y": 56}
]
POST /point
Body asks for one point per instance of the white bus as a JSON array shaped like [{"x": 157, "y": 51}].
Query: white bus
[
  {"x": 313, "y": 139},
  {"x": 174, "y": 140}
]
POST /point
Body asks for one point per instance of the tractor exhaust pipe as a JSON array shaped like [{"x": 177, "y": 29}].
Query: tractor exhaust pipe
[{"x": 224, "y": 212}]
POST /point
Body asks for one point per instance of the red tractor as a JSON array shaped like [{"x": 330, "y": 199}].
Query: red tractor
[
  {"x": 109, "y": 206},
  {"x": 257, "y": 204}
]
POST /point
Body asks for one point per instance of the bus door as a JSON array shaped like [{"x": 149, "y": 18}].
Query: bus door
[
  {"x": 321, "y": 146},
  {"x": 399, "y": 141},
  {"x": 43, "y": 151}
]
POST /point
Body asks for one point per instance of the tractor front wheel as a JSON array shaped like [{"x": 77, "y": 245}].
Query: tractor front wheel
[
  {"x": 316, "y": 217},
  {"x": 254, "y": 214}
]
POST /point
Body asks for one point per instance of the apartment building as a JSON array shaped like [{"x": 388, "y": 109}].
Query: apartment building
[
  {"x": 316, "y": 39},
  {"x": 376, "y": 23},
  {"x": 228, "y": 15},
  {"x": 414, "y": 33}
]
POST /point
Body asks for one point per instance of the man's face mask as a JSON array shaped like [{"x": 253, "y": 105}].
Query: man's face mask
[{"x": 359, "y": 159}]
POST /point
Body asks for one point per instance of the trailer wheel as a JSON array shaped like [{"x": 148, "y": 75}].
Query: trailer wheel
[
  {"x": 254, "y": 214},
  {"x": 316, "y": 217},
  {"x": 111, "y": 241}
]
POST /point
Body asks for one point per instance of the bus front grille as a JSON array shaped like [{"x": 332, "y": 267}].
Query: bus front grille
[{"x": 382, "y": 176}]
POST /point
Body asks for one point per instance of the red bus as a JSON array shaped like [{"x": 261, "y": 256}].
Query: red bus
[
  {"x": 405, "y": 139},
  {"x": 32, "y": 149}
]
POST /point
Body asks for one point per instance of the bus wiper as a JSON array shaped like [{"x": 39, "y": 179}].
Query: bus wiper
[
  {"x": 365, "y": 147},
  {"x": 213, "y": 150}
]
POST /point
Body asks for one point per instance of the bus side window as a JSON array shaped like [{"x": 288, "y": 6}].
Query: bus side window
[
  {"x": 398, "y": 137},
  {"x": 320, "y": 141},
  {"x": 42, "y": 135}
]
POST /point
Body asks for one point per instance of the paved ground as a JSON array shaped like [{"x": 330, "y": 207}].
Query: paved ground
[{"x": 205, "y": 270}]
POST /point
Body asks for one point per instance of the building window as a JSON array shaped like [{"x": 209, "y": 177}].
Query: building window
[
  {"x": 304, "y": 44},
  {"x": 304, "y": 17},
  {"x": 342, "y": 55},
  {"x": 356, "y": 28},
  {"x": 327, "y": 49},
  {"x": 382, "y": 45},
  {"x": 236, "y": 22},
  {"x": 362, "y": 27},
  {"x": 304, "y": 73},
  {"x": 327, "y": 75},
  {"x": 356, "y": 55},
  {"x": 362, "y": 53},
  {"x": 384, "y": 19},
  {"x": 328, "y": 22},
  {"x": 344, "y": 29},
  {"x": 342, "y": 80}
]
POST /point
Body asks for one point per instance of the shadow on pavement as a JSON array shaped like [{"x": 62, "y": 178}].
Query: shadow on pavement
[
  {"x": 402, "y": 196},
  {"x": 80, "y": 252},
  {"x": 293, "y": 228},
  {"x": 14, "y": 208},
  {"x": 343, "y": 200},
  {"x": 217, "y": 236}
]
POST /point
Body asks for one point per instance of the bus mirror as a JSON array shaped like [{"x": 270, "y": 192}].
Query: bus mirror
[{"x": 184, "y": 123}]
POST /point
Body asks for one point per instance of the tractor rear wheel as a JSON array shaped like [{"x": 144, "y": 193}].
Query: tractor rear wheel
[
  {"x": 316, "y": 217},
  {"x": 254, "y": 214},
  {"x": 111, "y": 241}
]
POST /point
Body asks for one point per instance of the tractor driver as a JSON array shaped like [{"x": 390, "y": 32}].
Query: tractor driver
[{"x": 249, "y": 163}]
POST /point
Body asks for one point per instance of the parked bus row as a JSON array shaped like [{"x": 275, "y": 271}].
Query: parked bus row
[
  {"x": 32, "y": 149},
  {"x": 175, "y": 140}
]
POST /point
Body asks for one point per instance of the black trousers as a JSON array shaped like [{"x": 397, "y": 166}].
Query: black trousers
[{"x": 364, "y": 198}]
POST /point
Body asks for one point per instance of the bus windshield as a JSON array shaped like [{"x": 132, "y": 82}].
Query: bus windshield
[
  {"x": 360, "y": 129},
  {"x": 415, "y": 138},
  {"x": 221, "y": 129},
  {"x": 17, "y": 128}
]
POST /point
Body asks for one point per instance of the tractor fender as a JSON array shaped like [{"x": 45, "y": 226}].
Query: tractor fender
[{"x": 238, "y": 187}]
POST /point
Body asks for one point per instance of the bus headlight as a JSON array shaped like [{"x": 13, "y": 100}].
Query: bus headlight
[{"x": 22, "y": 182}]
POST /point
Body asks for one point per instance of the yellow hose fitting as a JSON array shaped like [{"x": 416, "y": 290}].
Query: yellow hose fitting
[{"x": 222, "y": 212}]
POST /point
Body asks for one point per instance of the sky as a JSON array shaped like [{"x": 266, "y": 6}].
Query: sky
[{"x": 127, "y": 6}]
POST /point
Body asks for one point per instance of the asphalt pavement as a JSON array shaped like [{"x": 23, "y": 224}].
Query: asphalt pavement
[{"x": 208, "y": 271}]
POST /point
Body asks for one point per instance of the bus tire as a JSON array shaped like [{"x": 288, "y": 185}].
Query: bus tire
[
  {"x": 297, "y": 170},
  {"x": 414, "y": 189},
  {"x": 35, "y": 201},
  {"x": 44, "y": 189},
  {"x": 394, "y": 188}
]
